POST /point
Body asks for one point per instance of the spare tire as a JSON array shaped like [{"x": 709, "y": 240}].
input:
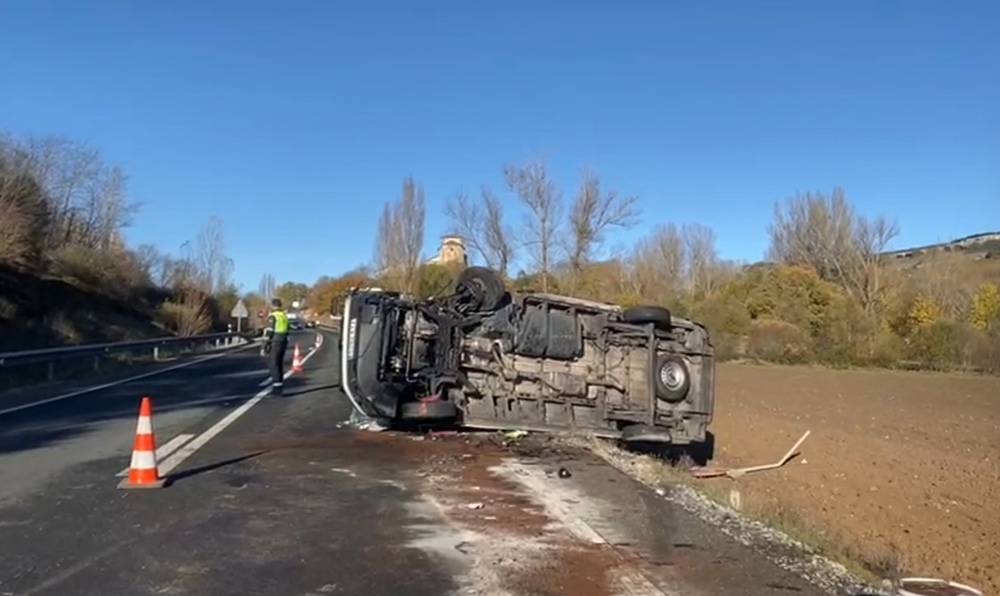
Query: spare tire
[
  {"x": 485, "y": 284},
  {"x": 644, "y": 315},
  {"x": 672, "y": 377}
]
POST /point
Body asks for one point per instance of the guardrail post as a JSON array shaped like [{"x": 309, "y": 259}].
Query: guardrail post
[
  {"x": 97, "y": 364},
  {"x": 156, "y": 352},
  {"x": 52, "y": 370}
]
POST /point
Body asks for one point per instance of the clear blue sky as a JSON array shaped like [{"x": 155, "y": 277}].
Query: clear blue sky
[{"x": 294, "y": 121}]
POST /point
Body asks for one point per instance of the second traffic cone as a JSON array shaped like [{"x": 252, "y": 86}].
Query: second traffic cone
[
  {"x": 297, "y": 359},
  {"x": 143, "y": 472}
]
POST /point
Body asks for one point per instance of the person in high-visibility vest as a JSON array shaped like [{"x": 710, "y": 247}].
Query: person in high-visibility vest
[{"x": 276, "y": 344}]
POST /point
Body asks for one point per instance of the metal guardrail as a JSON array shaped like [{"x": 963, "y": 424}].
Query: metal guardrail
[{"x": 99, "y": 351}]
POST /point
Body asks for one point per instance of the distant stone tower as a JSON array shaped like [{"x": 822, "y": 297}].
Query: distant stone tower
[{"x": 452, "y": 251}]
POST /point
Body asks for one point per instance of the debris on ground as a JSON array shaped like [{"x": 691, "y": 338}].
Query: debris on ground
[
  {"x": 363, "y": 422},
  {"x": 921, "y": 586},
  {"x": 734, "y": 473}
]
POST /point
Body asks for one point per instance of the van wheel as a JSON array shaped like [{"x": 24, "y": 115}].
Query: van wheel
[
  {"x": 644, "y": 315},
  {"x": 484, "y": 284}
]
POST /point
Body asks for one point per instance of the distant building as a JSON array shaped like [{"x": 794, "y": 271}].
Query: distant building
[{"x": 451, "y": 252}]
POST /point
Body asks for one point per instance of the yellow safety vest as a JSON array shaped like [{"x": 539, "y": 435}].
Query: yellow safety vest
[{"x": 280, "y": 321}]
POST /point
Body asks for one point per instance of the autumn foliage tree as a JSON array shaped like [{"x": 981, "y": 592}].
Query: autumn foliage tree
[
  {"x": 325, "y": 294},
  {"x": 829, "y": 291}
]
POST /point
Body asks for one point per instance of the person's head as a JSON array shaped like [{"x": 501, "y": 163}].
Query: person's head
[{"x": 276, "y": 304}]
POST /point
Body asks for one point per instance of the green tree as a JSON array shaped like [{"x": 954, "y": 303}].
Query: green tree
[{"x": 290, "y": 292}]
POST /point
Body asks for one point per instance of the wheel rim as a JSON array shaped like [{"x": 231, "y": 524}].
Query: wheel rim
[{"x": 673, "y": 375}]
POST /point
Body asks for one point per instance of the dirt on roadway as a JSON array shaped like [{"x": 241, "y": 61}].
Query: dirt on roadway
[
  {"x": 532, "y": 517},
  {"x": 901, "y": 471}
]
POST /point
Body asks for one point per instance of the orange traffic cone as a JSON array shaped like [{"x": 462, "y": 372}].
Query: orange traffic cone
[
  {"x": 297, "y": 359},
  {"x": 143, "y": 471}
]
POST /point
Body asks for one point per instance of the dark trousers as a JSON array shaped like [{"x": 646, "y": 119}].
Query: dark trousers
[{"x": 276, "y": 360}]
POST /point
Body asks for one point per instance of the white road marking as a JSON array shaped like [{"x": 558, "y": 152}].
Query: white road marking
[
  {"x": 267, "y": 381},
  {"x": 188, "y": 450},
  {"x": 164, "y": 450},
  {"x": 119, "y": 382}
]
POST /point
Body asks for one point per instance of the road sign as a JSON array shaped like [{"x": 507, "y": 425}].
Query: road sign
[{"x": 240, "y": 310}]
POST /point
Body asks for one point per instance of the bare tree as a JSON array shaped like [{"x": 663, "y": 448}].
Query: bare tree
[
  {"x": 24, "y": 216},
  {"x": 591, "y": 215},
  {"x": 658, "y": 264},
  {"x": 482, "y": 226},
  {"x": 156, "y": 265},
  {"x": 108, "y": 210},
  {"x": 386, "y": 242},
  {"x": 400, "y": 237},
  {"x": 213, "y": 268},
  {"x": 410, "y": 215},
  {"x": 532, "y": 185},
  {"x": 88, "y": 200},
  {"x": 844, "y": 247},
  {"x": 500, "y": 238},
  {"x": 937, "y": 276},
  {"x": 267, "y": 287},
  {"x": 702, "y": 259}
]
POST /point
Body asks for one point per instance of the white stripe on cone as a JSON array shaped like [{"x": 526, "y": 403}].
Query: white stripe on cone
[
  {"x": 145, "y": 426},
  {"x": 143, "y": 460}
]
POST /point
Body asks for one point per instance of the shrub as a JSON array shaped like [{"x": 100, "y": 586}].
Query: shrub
[
  {"x": 984, "y": 312},
  {"x": 190, "y": 313},
  {"x": 114, "y": 272},
  {"x": 778, "y": 341},
  {"x": 935, "y": 345}
]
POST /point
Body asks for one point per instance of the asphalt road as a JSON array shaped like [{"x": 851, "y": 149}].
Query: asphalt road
[{"x": 287, "y": 500}]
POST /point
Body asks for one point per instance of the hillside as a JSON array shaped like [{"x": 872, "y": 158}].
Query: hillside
[
  {"x": 984, "y": 245},
  {"x": 970, "y": 260},
  {"x": 38, "y": 311}
]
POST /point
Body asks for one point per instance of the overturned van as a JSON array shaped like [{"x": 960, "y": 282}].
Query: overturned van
[{"x": 484, "y": 357}]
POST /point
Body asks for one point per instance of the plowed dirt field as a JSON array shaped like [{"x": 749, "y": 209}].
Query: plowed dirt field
[{"x": 901, "y": 471}]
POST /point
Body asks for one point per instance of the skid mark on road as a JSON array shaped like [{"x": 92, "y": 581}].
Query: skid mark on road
[
  {"x": 560, "y": 503},
  {"x": 516, "y": 530},
  {"x": 69, "y": 572}
]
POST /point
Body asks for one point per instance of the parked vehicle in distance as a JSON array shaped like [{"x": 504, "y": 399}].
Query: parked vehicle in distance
[{"x": 484, "y": 357}]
